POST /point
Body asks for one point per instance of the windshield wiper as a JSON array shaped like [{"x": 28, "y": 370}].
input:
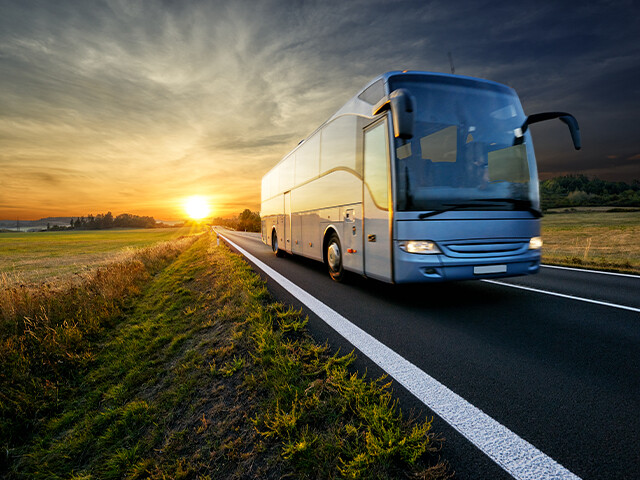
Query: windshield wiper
[
  {"x": 454, "y": 206},
  {"x": 458, "y": 206},
  {"x": 524, "y": 205}
]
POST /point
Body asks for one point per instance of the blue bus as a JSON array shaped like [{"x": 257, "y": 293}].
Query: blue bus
[{"x": 420, "y": 177}]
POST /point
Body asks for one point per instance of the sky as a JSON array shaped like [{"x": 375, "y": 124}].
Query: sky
[{"x": 132, "y": 106}]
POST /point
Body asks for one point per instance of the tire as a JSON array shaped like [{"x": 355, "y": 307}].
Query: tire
[
  {"x": 334, "y": 258},
  {"x": 274, "y": 245}
]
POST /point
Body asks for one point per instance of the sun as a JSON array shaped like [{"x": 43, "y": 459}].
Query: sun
[{"x": 197, "y": 207}]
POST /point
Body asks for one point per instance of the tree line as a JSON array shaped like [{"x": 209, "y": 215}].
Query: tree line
[
  {"x": 103, "y": 221},
  {"x": 246, "y": 221},
  {"x": 581, "y": 191}
]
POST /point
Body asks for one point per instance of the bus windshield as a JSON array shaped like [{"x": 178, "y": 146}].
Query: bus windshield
[{"x": 462, "y": 154}]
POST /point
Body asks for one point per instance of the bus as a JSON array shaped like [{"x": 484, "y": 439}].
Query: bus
[{"x": 420, "y": 177}]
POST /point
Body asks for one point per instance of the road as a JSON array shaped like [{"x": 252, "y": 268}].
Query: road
[{"x": 561, "y": 373}]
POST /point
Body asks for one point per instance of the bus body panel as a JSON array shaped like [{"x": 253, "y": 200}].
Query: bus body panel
[
  {"x": 351, "y": 237},
  {"x": 336, "y": 192},
  {"x": 287, "y": 222},
  {"x": 272, "y": 213}
]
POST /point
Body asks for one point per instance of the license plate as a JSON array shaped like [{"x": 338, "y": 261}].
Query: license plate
[{"x": 489, "y": 269}]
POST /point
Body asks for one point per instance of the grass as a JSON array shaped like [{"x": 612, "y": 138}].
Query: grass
[
  {"x": 50, "y": 336},
  {"x": 48, "y": 256},
  {"x": 189, "y": 370},
  {"x": 600, "y": 240}
]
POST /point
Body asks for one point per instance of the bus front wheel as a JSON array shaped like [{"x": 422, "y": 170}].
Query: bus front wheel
[
  {"x": 334, "y": 258},
  {"x": 274, "y": 245}
]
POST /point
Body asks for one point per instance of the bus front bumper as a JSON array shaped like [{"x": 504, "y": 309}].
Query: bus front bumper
[{"x": 416, "y": 268}]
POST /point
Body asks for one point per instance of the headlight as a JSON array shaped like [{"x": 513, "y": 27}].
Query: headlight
[
  {"x": 535, "y": 243},
  {"x": 424, "y": 247}
]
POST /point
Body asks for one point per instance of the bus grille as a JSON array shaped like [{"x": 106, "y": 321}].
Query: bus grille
[{"x": 484, "y": 249}]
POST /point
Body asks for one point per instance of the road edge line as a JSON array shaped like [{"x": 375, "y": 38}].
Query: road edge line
[
  {"x": 586, "y": 270},
  {"x": 563, "y": 295}
]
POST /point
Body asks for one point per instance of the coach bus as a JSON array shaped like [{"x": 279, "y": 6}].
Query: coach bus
[{"x": 421, "y": 177}]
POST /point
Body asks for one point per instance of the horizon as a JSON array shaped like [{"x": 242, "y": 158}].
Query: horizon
[
  {"x": 228, "y": 215},
  {"x": 136, "y": 107}
]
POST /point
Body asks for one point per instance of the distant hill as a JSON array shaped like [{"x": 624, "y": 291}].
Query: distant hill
[{"x": 29, "y": 225}]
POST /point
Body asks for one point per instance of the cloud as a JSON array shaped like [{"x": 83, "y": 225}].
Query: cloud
[{"x": 163, "y": 98}]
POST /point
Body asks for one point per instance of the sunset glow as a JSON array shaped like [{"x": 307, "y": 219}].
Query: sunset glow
[{"x": 197, "y": 207}]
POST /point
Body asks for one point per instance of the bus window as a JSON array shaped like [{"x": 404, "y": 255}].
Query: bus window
[
  {"x": 308, "y": 160},
  {"x": 373, "y": 93},
  {"x": 339, "y": 144},
  {"x": 286, "y": 173}
]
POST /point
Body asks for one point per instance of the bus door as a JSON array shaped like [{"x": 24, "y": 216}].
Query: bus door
[
  {"x": 376, "y": 224},
  {"x": 287, "y": 221}
]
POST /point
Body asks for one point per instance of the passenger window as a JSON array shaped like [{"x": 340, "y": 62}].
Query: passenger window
[
  {"x": 308, "y": 160},
  {"x": 339, "y": 144},
  {"x": 286, "y": 174}
]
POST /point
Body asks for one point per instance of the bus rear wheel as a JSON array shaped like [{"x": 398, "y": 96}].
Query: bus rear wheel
[
  {"x": 334, "y": 258},
  {"x": 274, "y": 245}
]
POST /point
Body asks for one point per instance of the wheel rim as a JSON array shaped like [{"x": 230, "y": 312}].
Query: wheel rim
[{"x": 333, "y": 256}]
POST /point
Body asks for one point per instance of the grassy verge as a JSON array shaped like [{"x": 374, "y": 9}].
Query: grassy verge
[
  {"x": 50, "y": 336},
  {"x": 599, "y": 240},
  {"x": 200, "y": 375}
]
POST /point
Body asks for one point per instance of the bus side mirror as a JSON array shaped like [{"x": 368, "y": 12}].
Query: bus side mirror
[
  {"x": 566, "y": 118},
  {"x": 402, "y": 107}
]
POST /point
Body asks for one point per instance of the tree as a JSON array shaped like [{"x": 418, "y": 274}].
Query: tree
[{"x": 249, "y": 221}]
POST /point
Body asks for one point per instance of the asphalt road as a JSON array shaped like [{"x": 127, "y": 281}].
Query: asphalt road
[{"x": 561, "y": 373}]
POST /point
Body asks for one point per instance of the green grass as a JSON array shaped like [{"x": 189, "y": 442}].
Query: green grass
[
  {"x": 595, "y": 239},
  {"x": 199, "y": 374},
  {"x": 46, "y": 256}
]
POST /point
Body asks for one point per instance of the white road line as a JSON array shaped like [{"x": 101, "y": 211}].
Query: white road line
[
  {"x": 515, "y": 455},
  {"x": 592, "y": 271},
  {"x": 563, "y": 295}
]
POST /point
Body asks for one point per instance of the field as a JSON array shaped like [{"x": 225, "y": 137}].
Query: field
[
  {"x": 589, "y": 239},
  {"x": 593, "y": 239},
  {"x": 49, "y": 256}
]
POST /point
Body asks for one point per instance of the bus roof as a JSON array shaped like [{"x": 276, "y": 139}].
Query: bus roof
[{"x": 357, "y": 106}]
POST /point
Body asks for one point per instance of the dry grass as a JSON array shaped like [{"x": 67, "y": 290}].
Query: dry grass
[
  {"x": 608, "y": 241},
  {"x": 46, "y": 332}
]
